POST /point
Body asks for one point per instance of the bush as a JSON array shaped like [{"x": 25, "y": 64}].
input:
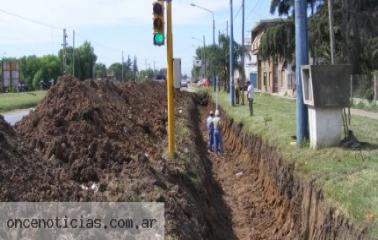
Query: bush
[
  {"x": 369, "y": 94},
  {"x": 202, "y": 97}
]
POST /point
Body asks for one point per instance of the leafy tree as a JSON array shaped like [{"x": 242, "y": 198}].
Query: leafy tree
[
  {"x": 278, "y": 41},
  {"x": 284, "y": 7},
  {"x": 85, "y": 60},
  {"x": 147, "y": 74},
  {"x": 218, "y": 60},
  {"x": 116, "y": 68},
  {"x": 100, "y": 70},
  {"x": 29, "y": 66}
]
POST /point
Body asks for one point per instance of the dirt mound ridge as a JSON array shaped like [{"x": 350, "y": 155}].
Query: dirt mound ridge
[
  {"x": 94, "y": 134},
  {"x": 7, "y": 139}
]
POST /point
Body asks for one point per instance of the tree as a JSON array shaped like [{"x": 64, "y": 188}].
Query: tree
[
  {"x": 116, "y": 68},
  {"x": 100, "y": 70},
  {"x": 29, "y": 66},
  {"x": 283, "y": 7},
  {"x": 218, "y": 60},
  {"x": 85, "y": 60},
  {"x": 147, "y": 74}
]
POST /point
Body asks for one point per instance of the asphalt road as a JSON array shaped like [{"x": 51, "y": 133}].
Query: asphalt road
[{"x": 14, "y": 116}]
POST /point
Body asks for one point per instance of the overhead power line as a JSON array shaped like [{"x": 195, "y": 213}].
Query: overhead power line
[
  {"x": 237, "y": 13},
  {"x": 31, "y": 20},
  {"x": 253, "y": 9}
]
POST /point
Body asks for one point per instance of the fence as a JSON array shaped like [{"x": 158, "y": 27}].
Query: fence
[{"x": 365, "y": 87}]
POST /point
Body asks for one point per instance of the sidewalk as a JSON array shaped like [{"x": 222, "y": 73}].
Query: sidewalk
[
  {"x": 363, "y": 113},
  {"x": 353, "y": 111}
]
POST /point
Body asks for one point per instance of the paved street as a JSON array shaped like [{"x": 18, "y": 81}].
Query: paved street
[{"x": 13, "y": 117}]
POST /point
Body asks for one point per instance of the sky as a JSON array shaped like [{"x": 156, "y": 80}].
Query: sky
[{"x": 112, "y": 26}]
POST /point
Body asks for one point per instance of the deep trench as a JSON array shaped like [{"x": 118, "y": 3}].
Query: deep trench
[{"x": 258, "y": 196}]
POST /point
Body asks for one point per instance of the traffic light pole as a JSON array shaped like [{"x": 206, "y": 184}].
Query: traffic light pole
[{"x": 170, "y": 95}]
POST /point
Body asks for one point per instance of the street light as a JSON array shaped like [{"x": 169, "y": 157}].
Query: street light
[
  {"x": 203, "y": 55},
  {"x": 212, "y": 14}
]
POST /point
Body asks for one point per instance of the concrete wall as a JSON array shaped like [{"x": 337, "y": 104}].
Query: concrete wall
[{"x": 325, "y": 127}]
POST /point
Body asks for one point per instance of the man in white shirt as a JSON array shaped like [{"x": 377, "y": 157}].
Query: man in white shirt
[
  {"x": 250, "y": 96},
  {"x": 218, "y": 142},
  {"x": 210, "y": 129}
]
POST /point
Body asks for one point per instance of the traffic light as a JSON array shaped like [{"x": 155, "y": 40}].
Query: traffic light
[{"x": 158, "y": 17}]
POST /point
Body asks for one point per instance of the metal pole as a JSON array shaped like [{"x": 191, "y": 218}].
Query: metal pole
[
  {"x": 213, "y": 30},
  {"x": 227, "y": 28},
  {"x": 170, "y": 95},
  {"x": 122, "y": 74},
  {"x": 243, "y": 53},
  {"x": 73, "y": 53},
  {"x": 331, "y": 32},
  {"x": 232, "y": 84},
  {"x": 204, "y": 57},
  {"x": 65, "y": 51},
  {"x": 301, "y": 51}
]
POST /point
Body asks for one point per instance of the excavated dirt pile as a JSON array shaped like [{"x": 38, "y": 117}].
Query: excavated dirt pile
[{"x": 98, "y": 141}]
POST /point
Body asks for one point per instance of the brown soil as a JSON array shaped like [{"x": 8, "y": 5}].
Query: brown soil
[
  {"x": 265, "y": 197},
  {"x": 86, "y": 133},
  {"x": 114, "y": 136},
  {"x": 256, "y": 210}
]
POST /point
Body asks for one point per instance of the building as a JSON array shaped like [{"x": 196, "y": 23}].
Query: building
[
  {"x": 274, "y": 75},
  {"x": 10, "y": 75}
]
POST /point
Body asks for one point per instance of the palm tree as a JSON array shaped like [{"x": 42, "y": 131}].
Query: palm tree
[{"x": 283, "y": 7}]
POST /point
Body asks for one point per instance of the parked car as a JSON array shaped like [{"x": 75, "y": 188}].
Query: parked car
[
  {"x": 184, "y": 83},
  {"x": 160, "y": 78},
  {"x": 203, "y": 83}
]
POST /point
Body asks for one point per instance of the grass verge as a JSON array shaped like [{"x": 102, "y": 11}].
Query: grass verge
[
  {"x": 348, "y": 178},
  {"x": 373, "y": 107},
  {"x": 12, "y": 101}
]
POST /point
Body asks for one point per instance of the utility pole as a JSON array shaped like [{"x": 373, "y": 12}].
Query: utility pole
[
  {"x": 227, "y": 28},
  {"x": 213, "y": 30},
  {"x": 170, "y": 93},
  {"x": 331, "y": 31},
  {"x": 204, "y": 57},
  {"x": 123, "y": 63},
  {"x": 243, "y": 53},
  {"x": 301, "y": 52},
  {"x": 73, "y": 53},
  {"x": 232, "y": 84},
  {"x": 65, "y": 51}
]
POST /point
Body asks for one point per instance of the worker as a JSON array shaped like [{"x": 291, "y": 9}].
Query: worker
[
  {"x": 237, "y": 90},
  {"x": 218, "y": 143},
  {"x": 210, "y": 130},
  {"x": 250, "y": 96}
]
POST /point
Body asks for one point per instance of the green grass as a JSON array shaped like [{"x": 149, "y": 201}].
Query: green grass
[
  {"x": 12, "y": 101},
  {"x": 349, "y": 178},
  {"x": 373, "y": 107}
]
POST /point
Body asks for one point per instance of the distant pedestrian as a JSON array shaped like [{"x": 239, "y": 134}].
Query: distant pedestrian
[
  {"x": 218, "y": 142},
  {"x": 250, "y": 96},
  {"x": 237, "y": 90},
  {"x": 210, "y": 130}
]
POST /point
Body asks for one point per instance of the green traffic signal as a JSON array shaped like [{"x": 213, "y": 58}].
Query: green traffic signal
[{"x": 158, "y": 39}]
